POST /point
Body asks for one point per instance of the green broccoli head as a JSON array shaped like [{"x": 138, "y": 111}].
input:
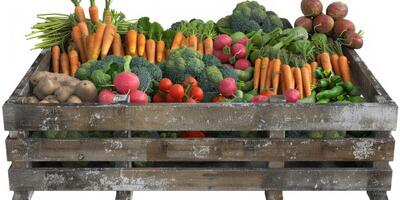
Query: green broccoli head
[
  {"x": 146, "y": 81},
  {"x": 138, "y": 62},
  {"x": 249, "y": 11},
  {"x": 154, "y": 71},
  {"x": 210, "y": 60},
  {"x": 99, "y": 78},
  {"x": 228, "y": 72},
  {"x": 224, "y": 22},
  {"x": 176, "y": 76},
  {"x": 214, "y": 75},
  {"x": 271, "y": 22},
  {"x": 242, "y": 24},
  {"x": 115, "y": 59},
  {"x": 83, "y": 72}
]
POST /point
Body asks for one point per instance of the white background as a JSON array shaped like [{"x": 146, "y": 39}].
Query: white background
[{"x": 379, "y": 19}]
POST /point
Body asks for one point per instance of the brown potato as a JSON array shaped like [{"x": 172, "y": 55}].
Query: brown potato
[
  {"x": 44, "y": 102},
  {"x": 45, "y": 87},
  {"x": 86, "y": 91},
  {"x": 51, "y": 99},
  {"x": 31, "y": 99},
  {"x": 74, "y": 100},
  {"x": 63, "y": 93},
  {"x": 61, "y": 78}
]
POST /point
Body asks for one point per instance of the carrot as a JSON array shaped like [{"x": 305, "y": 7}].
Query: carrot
[
  {"x": 178, "y": 39},
  {"x": 208, "y": 46},
  {"x": 64, "y": 60},
  {"x": 200, "y": 47},
  {"x": 314, "y": 66},
  {"x": 117, "y": 45},
  {"x": 287, "y": 77},
  {"x": 145, "y": 55},
  {"x": 98, "y": 41},
  {"x": 160, "y": 48},
  {"x": 55, "y": 59},
  {"x": 94, "y": 12},
  {"x": 335, "y": 64},
  {"x": 305, "y": 75},
  {"x": 276, "y": 70},
  {"x": 107, "y": 13},
  {"x": 85, "y": 34},
  {"x": 108, "y": 38},
  {"x": 141, "y": 44},
  {"x": 345, "y": 69},
  {"x": 299, "y": 81},
  {"x": 326, "y": 61},
  {"x": 151, "y": 51},
  {"x": 257, "y": 74},
  {"x": 268, "y": 80},
  {"x": 263, "y": 73},
  {"x": 308, "y": 66},
  {"x": 193, "y": 42},
  {"x": 79, "y": 10},
  {"x": 131, "y": 40},
  {"x": 282, "y": 85},
  {"x": 185, "y": 42},
  {"x": 77, "y": 39},
  {"x": 90, "y": 44},
  {"x": 74, "y": 61}
]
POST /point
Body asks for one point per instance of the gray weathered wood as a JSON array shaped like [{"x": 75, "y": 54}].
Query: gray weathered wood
[
  {"x": 275, "y": 195},
  {"x": 22, "y": 195},
  {"x": 123, "y": 195},
  {"x": 208, "y": 149},
  {"x": 377, "y": 195}
]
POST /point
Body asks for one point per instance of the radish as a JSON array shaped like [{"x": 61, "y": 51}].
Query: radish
[
  {"x": 245, "y": 41},
  {"x": 139, "y": 97},
  {"x": 354, "y": 40},
  {"x": 227, "y": 87},
  {"x": 224, "y": 58},
  {"x": 323, "y": 23},
  {"x": 106, "y": 97},
  {"x": 304, "y": 22},
  {"x": 337, "y": 10},
  {"x": 126, "y": 82},
  {"x": 239, "y": 51},
  {"x": 237, "y": 36},
  {"x": 311, "y": 8},
  {"x": 342, "y": 26},
  {"x": 292, "y": 96},
  {"x": 260, "y": 99},
  {"x": 242, "y": 64},
  {"x": 222, "y": 41}
]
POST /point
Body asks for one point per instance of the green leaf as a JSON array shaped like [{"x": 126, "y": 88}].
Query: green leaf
[{"x": 143, "y": 25}]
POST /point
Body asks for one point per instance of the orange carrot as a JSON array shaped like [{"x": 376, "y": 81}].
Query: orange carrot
[
  {"x": 276, "y": 70},
  {"x": 208, "y": 46},
  {"x": 64, "y": 60},
  {"x": 73, "y": 61},
  {"x": 287, "y": 77},
  {"x": 108, "y": 38},
  {"x": 305, "y": 75},
  {"x": 55, "y": 59},
  {"x": 98, "y": 41},
  {"x": 200, "y": 47},
  {"x": 299, "y": 81},
  {"x": 151, "y": 51},
  {"x": 131, "y": 40},
  {"x": 145, "y": 55},
  {"x": 79, "y": 10},
  {"x": 268, "y": 80},
  {"x": 90, "y": 44},
  {"x": 192, "y": 42},
  {"x": 345, "y": 69},
  {"x": 185, "y": 42},
  {"x": 117, "y": 45},
  {"x": 326, "y": 61},
  {"x": 77, "y": 39},
  {"x": 160, "y": 48},
  {"x": 308, "y": 66},
  {"x": 107, "y": 13},
  {"x": 314, "y": 66},
  {"x": 141, "y": 44},
  {"x": 85, "y": 34},
  {"x": 257, "y": 74},
  {"x": 94, "y": 12},
  {"x": 335, "y": 64},
  {"x": 178, "y": 39},
  {"x": 263, "y": 73},
  {"x": 282, "y": 85}
]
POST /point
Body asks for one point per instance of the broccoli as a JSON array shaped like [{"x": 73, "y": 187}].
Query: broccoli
[
  {"x": 286, "y": 23},
  {"x": 210, "y": 60},
  {"x": 241, "y": 24},
  {"x": 146, "y": 81},
  {"x": 228, "y": 72},
  {"x": 139, "y": 62},
  {"x": 115, "y": 59},
  {"x": 84, "y": 71},
  {"x": 148, "y": 73},
  {"x": 99, "y": 77},
  {"x": 155, "y": 72},
  {"x": 271, "y": 22},
  {"x": 214, "y": 75}
]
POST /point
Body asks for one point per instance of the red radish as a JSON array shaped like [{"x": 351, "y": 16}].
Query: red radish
[
  {"x": 244, "y": 41},
  {"x": 354, "y": 40},
  {"x": 342, "y": 26},
  {"x": 126, "y": 82},
  {"x": 260, "y": 99},
  {"x": 222, "y": 41},
  {"x": 292, "y": 96},
  {"x": 337, "y": 10},
  {"x": 106, "y": 97},
  {"x": 227, "y": 87},
  {"x": 224, "y": 58},
  {"x": 311, "y": 8},
  {"x": 304, "y": 22},
  {"x": 239, "y": 51},
  {"x": 139, "y": 97},
  {"x": 242, "y": 64},
  {"x": 323, "y": 23}
]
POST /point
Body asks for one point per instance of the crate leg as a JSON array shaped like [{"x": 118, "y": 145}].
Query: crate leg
[
  {"x": 377, "y": 195},
  {"x": 22, "y": 195},
  {"x": 275, "y": 195},
  {"x": 123, "y": 195}
]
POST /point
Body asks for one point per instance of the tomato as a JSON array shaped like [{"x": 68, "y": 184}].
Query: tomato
[
  {"x": 177, "y": 91},
  {"x": 165, "y": 84},
  {"x": 190, "y": 80},
  {"x": 170, "y": 99},
  {"x": 197, "y": 93},
  {"x": 158, "y": 98},
  {"x": 218, "y": 99},
  {"x": 192, "y": 134},
  {"x": 190, "y": 100},
  {"x": 268, "y": 93}
]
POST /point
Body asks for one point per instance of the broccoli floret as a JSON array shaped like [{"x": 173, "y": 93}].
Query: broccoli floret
[
  {"x": 242, "y": 24},
  {"x": 146, "y": 82},
  {"x": 99, "y": 77},
  {"x": 155, "y": 72},
  {"x": 115, "y": 59},
  {"x": 214, "y": 75},
  {"x": 176, "y": 76},
  {"x": 83, "y": 72},
  {"x": 138, "y": 62},
  {"x": 228, "y": 72},
  {"x": 286, "y": 23},
  {"x": 210, "y": 60},
  {"x": 195, "y": 70},
  {"x": 175, "y": 26},
  {"x": 271, "y": 22}
]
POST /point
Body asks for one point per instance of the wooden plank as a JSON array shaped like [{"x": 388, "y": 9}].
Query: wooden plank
[
  {"x": 123, "y": 195},
  {"x": 206, "y": 117},
  {"x": 199, "y": 179},
  {"x": 208, "y": 149},
  {"x": 26, "y": 195},
  {"x": 269, "y": 194},
  {"x": 376, "y": 195}
]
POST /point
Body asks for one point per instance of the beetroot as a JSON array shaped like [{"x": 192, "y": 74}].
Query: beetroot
[
  {"x": 292, "y": 96},
  {"x": 242, "y": 64},
  {"x": 323, "y": 23},
  {"x": 304, "y": 22},
  {"x": 237, "y": 36},
  {"x": 260, "y": 99},
  {"x": 244, "y": 41},
  {"x": 354, "y": 40},
  {"x": 126, "y": 82},
  {"x": 239, "y": 51},
  {"x": 342, "y": 26},
  {"x": 106, "y": 97},
  {"x": 311, "y": 8},
  {"x": 227, "y": 87},
  {"x": 139, "y": 97},
  {"x": 224, "y": 58},
  {"x": 222, "y": 41},
  {"x": 337, "y": 10}
]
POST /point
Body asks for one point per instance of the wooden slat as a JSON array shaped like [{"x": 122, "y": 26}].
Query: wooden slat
[
  {"x": 210, "y": 149},
  {"x": 243, "y": 179}
]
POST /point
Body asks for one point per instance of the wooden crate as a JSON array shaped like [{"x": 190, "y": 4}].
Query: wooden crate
[{"x": 271, "y": 163}]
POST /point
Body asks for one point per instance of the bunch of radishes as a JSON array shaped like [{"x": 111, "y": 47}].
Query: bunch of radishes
[
  {"x": 125, "y": 83},
  {"x": 232, "y": 52},
  {"x": 332, "y": 23},
  {"x": 169, "y": 92}
]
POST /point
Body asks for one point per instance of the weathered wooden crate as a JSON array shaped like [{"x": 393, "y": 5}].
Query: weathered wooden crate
[{"x": 271, "y": 163}]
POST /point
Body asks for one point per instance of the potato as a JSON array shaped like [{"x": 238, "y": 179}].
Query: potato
[
  {"x": 51, "y": 99},
  {"x": 86, "y": 91},
  {"x": 44, "y": 102},
  {"x": 45, "y": 87},
  {"x": 74, "y": 100},
  {"x": 63, "y": 93},
  {"x": 37, "y": 76},
  {"x": 31, "y": 99},
  {"x": 61, "y": 78}
]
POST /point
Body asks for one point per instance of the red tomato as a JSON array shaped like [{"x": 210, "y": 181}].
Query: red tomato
[
  {"x": 170, "y": 99},
  {"x": 190, "y": 100},
  {"x": 218, "y": 99},
  {"x": 165, "y": 84},
  {"x": 268, "y": 93},
  {"x": 190, "y": 80},
  {"x": 192, "y": 134},
  {"x": 197, "y": 93},
  {"x": 177, "y": 91},
  {"x": 158, "y": 98}
]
